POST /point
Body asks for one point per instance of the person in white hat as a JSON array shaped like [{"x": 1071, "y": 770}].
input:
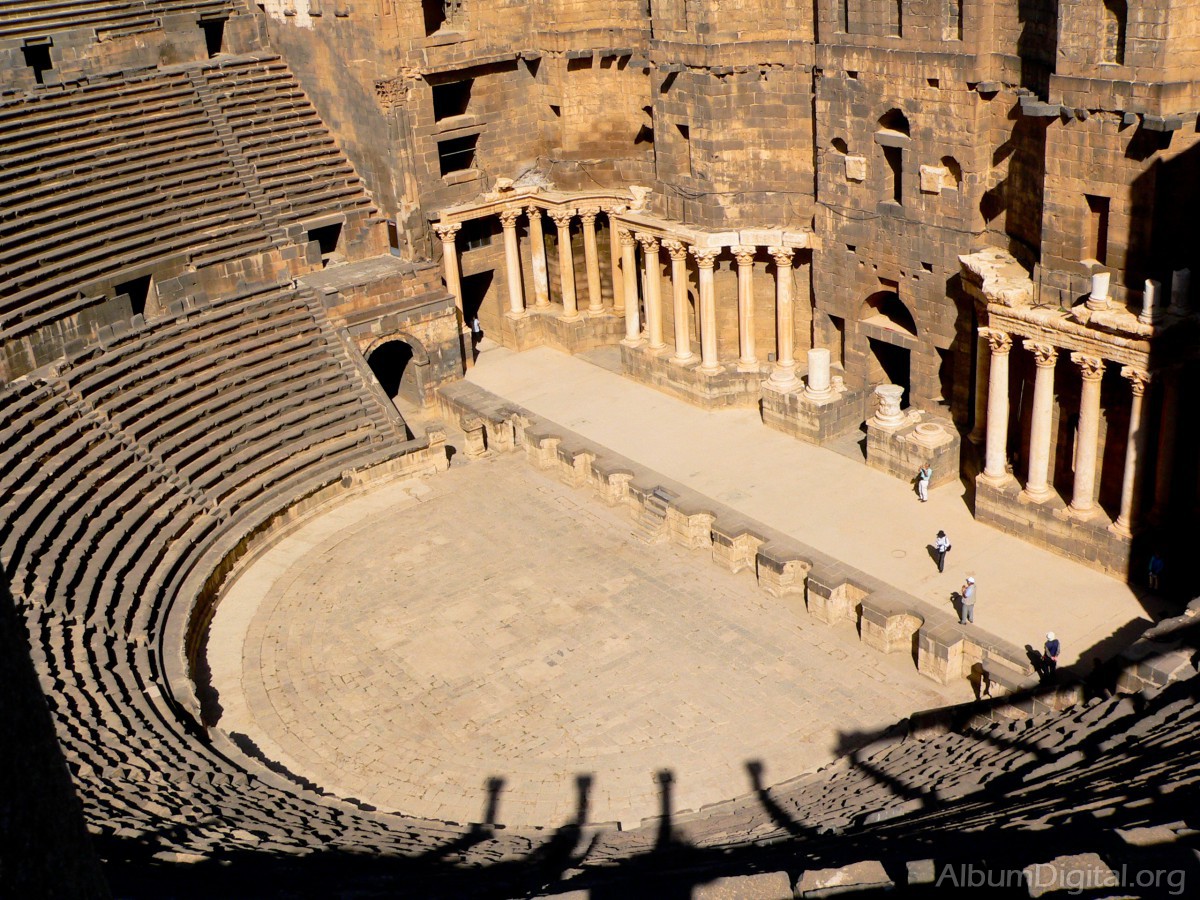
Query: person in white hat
[
  {"x": 1050, "y": 655},
  {"x": 968, "y": 602}
]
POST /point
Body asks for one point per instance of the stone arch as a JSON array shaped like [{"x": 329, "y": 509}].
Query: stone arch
[
  {"x": 886, "y": 309},
  {"x": 1115, "y": 17},
  {"x": 895, "y": 120},
  {"x": 400, "y": 363}
]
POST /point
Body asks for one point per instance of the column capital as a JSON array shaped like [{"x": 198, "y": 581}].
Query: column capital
[
  {"x": 562, "y": 218},
  {"x": 782, "y": 255},
  {"x": 744, "y": 254},
  {"x": 676, "y": 249},
  {"x": 1044, "y": 355},
  {"x": 1138, "y": 379},
  {"x": 588, "y": 215},
  {"x": 648, "y": 241},
  {"x": 447, "y": 232},
  {"x": 1091, "y": 368},
  {"x": 533, "y": 211},
  {"x": 999, "y": 341},
  {"x": 508, "y": 217},
  {"x": 615, "y": 209},
  {"x": 626, "y": 236},
  {"x": 706, "y": 257}
]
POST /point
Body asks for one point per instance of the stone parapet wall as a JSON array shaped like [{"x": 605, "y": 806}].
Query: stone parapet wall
[{"x": 724, "y": 389}]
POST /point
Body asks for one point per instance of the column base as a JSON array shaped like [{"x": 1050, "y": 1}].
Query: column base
[
  {"x": 1036, "y": 496},
  {"x": 631, "y": 342},
  {"x": 995, "y": 480},
  {"x": 1121, "y": 529},
  {"x": 574, "y": 317},
  {"x": 1082, "y": 515},
  {"x": 784, "y": 377},
  {"x": 513, "y": 314},
  {"x": 596, "y": 312},
  {"x": 744, "y": 365},
  {"x": 715, "y": 369},
  {"x": 683, "y": 360}
]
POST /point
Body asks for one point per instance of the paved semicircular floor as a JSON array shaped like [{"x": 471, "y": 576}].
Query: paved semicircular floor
[{"x": 410, "y": 645}]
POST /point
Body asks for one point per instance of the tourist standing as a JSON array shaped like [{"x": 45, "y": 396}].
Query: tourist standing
[
  {"x": 1050, "y": 655},
  {"x": 941, "y": 546},
  {"x": 924, "y": 475},
  {"x": 968, "y": 601},
  {"x": 1155, "y": 570}
]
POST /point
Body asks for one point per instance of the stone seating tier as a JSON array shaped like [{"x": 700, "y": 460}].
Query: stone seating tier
[{"x": 110, "y": 18}]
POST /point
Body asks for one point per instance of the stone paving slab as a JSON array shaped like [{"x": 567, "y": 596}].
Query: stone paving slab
[
  {"x": 837, "y": 505},
  {"x": 491, "y": 623}
]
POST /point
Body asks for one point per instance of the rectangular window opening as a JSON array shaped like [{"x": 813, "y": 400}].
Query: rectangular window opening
[
  {"x": 451, "y": 99},
  {"x": 1097, "y": 230},
  {"x": 686, "y": 133},
  {"x": 137, "y": 290},
  {"x": 894, "y": 158},
  {"x": 457, "y": 154},
  {"x": 37, "y": 57},
  {"x": 476, "y": 233},
  {"x": 214, "y": 35},
  {"x": 327, "y": 238}
]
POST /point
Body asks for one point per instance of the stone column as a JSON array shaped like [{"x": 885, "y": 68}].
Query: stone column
[
  {"x": 450, "y": 263},
  {"x": 614, "y": 256},
  {"x": 654, "y": 329},
  {"x": 683, "y": 342},
  {"x": 748, "y": 360},
  {"x": 982, "y": 367},
  {"x": 887, "y": 408},
  {"x": 818, "y": 387},
  {"x": 705, "y": 259},
  {"x": 537, "y": 254},
  {"x": 1037, "y": 485},
  {"x": 1165, "y": 465},
  {"x": 633, "y": 328},
  {"x": 591, "y": 261},
  {"x": 1181, "y": 281},
  {"x": 1151, "y": 311},
  {"x": 1091, "y": 369},
  {"x": 566, "y": 265},
  {"x": 1098, "y": 299},
  {"x": 784, "y": 374},
  {"x": 512, "y": 264},
  {"x": 1135, "y": 451},
  {"x": 997, "y": 404}
]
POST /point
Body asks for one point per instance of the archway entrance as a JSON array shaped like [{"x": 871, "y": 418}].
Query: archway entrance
[
  {"x": 889, "y": 364},
  {"x": 390, "y": 363}
]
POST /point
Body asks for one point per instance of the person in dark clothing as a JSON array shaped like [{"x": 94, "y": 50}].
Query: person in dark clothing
[
  {"x": 941, "y": 546},
  {"x": 1050, "y": 655}
]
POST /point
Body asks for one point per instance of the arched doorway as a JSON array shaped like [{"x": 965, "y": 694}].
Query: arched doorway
[
  {"x": 390, "y": 363},
  {"x": 891, "y": 334}
]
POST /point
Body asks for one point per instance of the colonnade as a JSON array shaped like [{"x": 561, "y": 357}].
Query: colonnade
[
  {"x": 1091, "y": 373},
  {"x": 628, "y": 299}
]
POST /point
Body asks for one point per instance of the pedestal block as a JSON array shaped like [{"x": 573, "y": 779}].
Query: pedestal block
[
  {"x": 793, "y": 412},
  {"x": 925, "y": 441}
]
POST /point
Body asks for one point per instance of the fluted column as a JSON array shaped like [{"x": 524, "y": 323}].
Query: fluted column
[
  {"x": 537, "y": 255},
  {"x": 748, "y": 360},
  {"x": 450, "y": 263},
  {"x": 566, "y": 265},
  {"x": 1165, "y": 463},
  {"x": 706, "y": 257},
  {"x": 983, "y": 362},
  {"x": 654, "y": 329},
  {"x": 997, "y": 407},
  {"x": 512, "y": 263},
  {"x": 1091, "y": 370},
  {"x": 784, "y": 374},
  {"x": 591, "y": 261},
  {"x": 683, "y": 343},
  {"x": 614, "y": 256},
  {"x": 633, "y": 327},
  {"x": 1037, "y": 485},
  {"x": 1135, "y": 451}
]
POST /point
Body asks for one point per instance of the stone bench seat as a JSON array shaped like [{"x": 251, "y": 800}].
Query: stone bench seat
[
  {"x": 195, "y": 186},
  {"x": 151, "y": 576},
  {"x": 38, "y": 18},
  {"x": 161, "y": 348},
  {"x": 195, "y": 368}
]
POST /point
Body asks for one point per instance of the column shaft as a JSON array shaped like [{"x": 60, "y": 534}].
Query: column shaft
[
  {"x": 633, "y": 327},
  {"x": 537, "y": 254},
  {"x": 566, "y": 265},
  {"x": 450, "y": 263},
  {"x": 1165, "y": 465},
  {"x": 997, "y": 407},
  {"x": 748, "y": 359},
  {"x": 591, "y": 261},
  {"x": 1135, "y": 451},
  {"x": 1037, "y": 485},
  {"x": 614, "y": 256},
  {"x": 784, "y": 373},
  {"x": 653, "y": 275},
  {"x": 1084, "y": 488},
  {"x": 982, "y": 366},
  {"x": 683, "y": 341},
  {"x": 512, "y": 263},
  {"x": 705, "y": 258}
]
